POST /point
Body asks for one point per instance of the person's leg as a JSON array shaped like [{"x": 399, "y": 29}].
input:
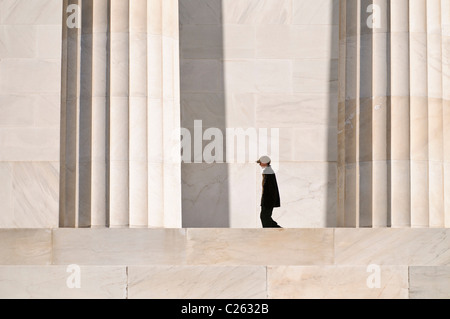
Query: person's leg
[{"x": 266, "y": 218}]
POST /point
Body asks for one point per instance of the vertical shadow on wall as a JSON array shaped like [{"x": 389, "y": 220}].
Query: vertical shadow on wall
[
  {"x": 366, "y": 106},
  {"x": 205, "y": 194},
  {"x": 332, "y": 143},
  {"x": 85, "y": 115}
]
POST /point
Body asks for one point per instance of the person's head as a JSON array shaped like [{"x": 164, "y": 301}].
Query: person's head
[{"x": 264, "y": 161}]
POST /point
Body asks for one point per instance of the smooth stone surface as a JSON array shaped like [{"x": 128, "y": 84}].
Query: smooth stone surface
[
  {"x": 308, "y": 195},
  {"x": 28, "y": 144},
  {"x": 429, "y": 282},
  {"x": 257, "y": 12},
  {"x": 205, "y": 195},
  {"x": 307, "y": 12},
  {"x": 35, "y": 188},
  {"x": 293, "y": 110},
  {"x": 197, "y": 282},
  {"x": 414, "y": 247},
  {"x": 119, "y": 246},
  {"x": 23, "y": 12},
  {"x": 30, "y": 88},
  {"x": 336, "y": 282},
  {"x": 259, "y": 247},
  {"x": 51, "y": 282},
  {"x": 25, "y": 247}
]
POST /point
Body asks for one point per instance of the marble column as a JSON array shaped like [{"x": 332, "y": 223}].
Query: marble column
[
  {"x": 121, "y": 115},
  {"x": 394, "y": 141}
]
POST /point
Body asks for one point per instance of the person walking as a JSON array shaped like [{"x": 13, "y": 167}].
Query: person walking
[{"x": 270, "y": 198}]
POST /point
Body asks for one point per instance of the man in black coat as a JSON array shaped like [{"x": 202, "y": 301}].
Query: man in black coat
[{"x": 270, "y": 193}]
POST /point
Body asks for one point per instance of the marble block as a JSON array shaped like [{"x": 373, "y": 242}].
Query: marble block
[
  {"x": 28, "y": 76},
  {"x": 259, "y": 247},
  {"x": 308, "y": 194},
  {"x": 118, "y": 246},
  {"x": 414, "y": 247},
  {"x": 23, "y": 12},
  {"x": 16, "y": 111},
  {"x": 200, "y": 12},
  {"x": 197, "y": 282},
  {"x": 288, "y": 41},
  {"x": 35, "y": 195},
  {"x": 201, "y": 42},
  {"x": 315, "y": 143},
  {"x": 56, "y": 282},
  {"x": 323, "y": 12},
  {"x": 49, "y": 41},
  {"x": 257, "y": 12},
  {"x": 19, "y": 42},
  {"x": 241, "y": 180},
  {"x": 238, "y": 42},
  {"x": 207, "y": 107},
  {"x": 29, "y": 144},
  {"x": 273, "y": 76},
  {"x": 315, "y": 76},
  {"x": 205, "y": 195},
  {"x": 25, "y": 247},
  {"x": 201, "y": 75},
  {"x": 6, "y": 202},
  {"x": 337, "y": 282},
  {"x": 429, "y": 283},
  {"x": 293, "y": 110}
]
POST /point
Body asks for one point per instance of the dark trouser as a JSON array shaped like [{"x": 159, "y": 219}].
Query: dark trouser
[{"x": 266, "y": 218}]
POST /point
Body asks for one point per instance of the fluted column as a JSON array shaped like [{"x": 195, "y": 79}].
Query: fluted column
[
  {"x": 364, "y": 109},
  {"x": 138, "y": 114},
  {"x": 435, "y": 114},
  {"x": 120, "y": 114},
  {"x": 155, "y": 108},
  {"x": 400, "y": 115},
  {"x": 419, "y": 114},
  {"x": 100, "y": 103},
  {"x": 381, "y": 108},
  {"x": 400, "y": 76}
]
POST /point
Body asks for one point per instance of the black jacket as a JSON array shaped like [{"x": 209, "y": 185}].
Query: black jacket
[{"x": 270, "y": 192}]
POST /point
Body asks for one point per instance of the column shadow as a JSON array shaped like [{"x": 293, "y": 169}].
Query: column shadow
[
  {"x": 332, "y": 144},
  {"x": 205, "y": 191}
]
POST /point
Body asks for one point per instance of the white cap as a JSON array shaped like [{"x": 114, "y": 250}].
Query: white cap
[{"x": 264, "y": 160}]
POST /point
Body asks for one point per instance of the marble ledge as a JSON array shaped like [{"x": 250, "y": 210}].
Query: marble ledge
[
  {"x": 223, "y": 282},
  {"x": 197, "y": 282},
  {"x": 226, "y": 247},
  {"x": 55, "y": 282},
  {"x": 388, "y": 246},
  {"x": 336, "y": 282}
]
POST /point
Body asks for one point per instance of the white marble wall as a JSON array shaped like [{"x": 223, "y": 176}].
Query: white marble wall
[
  {"x": 262, "y": 64},
  {"x": 237, "y": 264},
  {"x": 30, "y": 77}
]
